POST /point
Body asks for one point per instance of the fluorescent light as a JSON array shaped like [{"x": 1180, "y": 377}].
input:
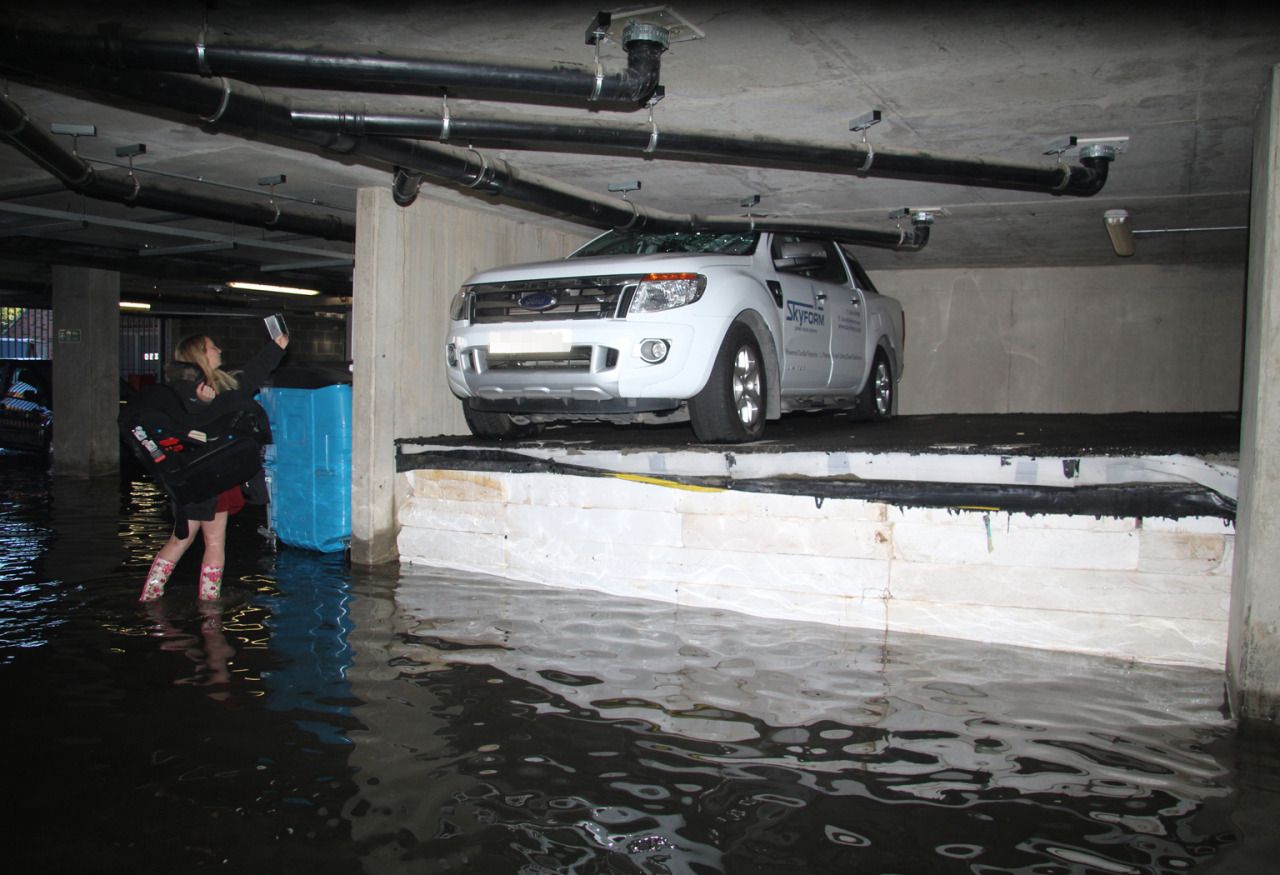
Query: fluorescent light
[
  {"x": 263, "y": 287},
  {"x": 186, "y": 248},
  {"x": 134, "y": 305}
]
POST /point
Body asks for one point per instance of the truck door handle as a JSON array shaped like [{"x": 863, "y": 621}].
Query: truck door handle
[{"x": 821, "y": 296}]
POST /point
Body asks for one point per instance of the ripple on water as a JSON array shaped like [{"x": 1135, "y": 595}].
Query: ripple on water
[
  {"x": 335, "y": 719},
  {"x": 731, "y": 735}
]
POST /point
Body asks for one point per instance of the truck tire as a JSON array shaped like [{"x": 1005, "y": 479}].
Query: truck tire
[
  {"x": 497, "y": 426},
  {"x": 731, "y": 407},
  {"x": 875, "y": 402}
]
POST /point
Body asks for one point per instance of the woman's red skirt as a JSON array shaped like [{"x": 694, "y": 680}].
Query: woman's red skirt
[{"x": 231, "y": 501}]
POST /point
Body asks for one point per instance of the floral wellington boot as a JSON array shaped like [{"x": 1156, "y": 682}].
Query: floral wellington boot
[
  {"x": 210, "y": 582},
  {"x": 157, "y": 577}
]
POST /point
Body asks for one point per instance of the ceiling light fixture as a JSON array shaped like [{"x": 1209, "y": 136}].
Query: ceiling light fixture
[
  {"x": 1120, "y": 231},
  {"x": 263, "y": 287},
  {"x": 186, "y": 248},
  {"x": 134, "y": 305},
  {"x": 1122, "y": 234}
]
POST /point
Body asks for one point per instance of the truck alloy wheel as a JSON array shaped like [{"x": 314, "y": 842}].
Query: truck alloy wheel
[{"x": 731, "y": 407}]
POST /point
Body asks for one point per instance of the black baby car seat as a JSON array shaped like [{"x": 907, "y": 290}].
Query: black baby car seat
[{"x": 195, "y": 456}]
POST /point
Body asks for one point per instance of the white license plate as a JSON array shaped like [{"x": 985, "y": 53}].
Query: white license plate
[{"x": 529, "y": 341}]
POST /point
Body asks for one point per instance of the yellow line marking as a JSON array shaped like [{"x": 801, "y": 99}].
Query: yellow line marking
[{"x": 658, "y": 481}]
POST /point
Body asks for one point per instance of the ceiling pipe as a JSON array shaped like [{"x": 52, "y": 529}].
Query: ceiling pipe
[
  {"x": 80, "y": 176},
  {"x": 251, "y": 112},
  {"x": 858, "y": 159},
  {"x": 344, "y": 71},
  {"x": 376, "y": 72}
]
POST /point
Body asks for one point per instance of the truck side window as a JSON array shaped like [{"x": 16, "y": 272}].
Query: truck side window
[
  {"x": 833, "y": 268},
  {"x": 860, "y": 278}
]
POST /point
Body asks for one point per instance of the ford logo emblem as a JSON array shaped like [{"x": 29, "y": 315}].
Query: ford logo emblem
[{"x": 538, "y": 300}]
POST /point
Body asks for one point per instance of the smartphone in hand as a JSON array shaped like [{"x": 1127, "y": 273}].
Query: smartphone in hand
[{"x": 276, "y": 326}]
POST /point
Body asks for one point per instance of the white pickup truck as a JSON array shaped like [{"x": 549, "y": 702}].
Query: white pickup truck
[{"x": 725, "y": 330}]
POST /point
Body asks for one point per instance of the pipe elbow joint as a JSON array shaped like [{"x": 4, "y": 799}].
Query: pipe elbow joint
[
  {"x": 644, "y": 44},
  {"x": 1090, "y": 176},
  {"x": 917, "y": 238},
  {"x": 404, "y": 186}
]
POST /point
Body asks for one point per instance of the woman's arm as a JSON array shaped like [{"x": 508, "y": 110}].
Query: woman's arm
[{"x": 258, "y": 368}]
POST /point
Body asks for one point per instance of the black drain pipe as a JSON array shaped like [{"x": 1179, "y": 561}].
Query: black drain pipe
[
  {"x": 250, "y": 112},
  {"x": 857, "y": 159},
  {"x": 644, "y": 43},
  {"x": 341, "y": 70},
  {"x": 79, "y": 176}
]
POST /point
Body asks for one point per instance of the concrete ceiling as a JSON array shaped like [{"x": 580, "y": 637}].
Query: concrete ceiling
[{"x": 998, "y": 82}]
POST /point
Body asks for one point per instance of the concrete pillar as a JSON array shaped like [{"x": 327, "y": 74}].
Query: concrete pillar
[
  {"x": 1253, "y": 650},
  {"x": 409, "y": 262},
  {"x": 86, "y": 371},
  {"x": 377, "y": 347}
]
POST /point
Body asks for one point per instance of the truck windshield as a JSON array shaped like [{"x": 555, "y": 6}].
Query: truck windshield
[{"x": 641, "y": 243}]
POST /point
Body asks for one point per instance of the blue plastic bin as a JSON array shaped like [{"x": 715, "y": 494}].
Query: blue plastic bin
[{"x": 309, "y": 466}]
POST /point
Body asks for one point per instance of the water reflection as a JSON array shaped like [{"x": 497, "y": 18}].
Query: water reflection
[
  {"x": 580, "y": 730},
  {"x": 308, "y": 629},
  {"x": 326, "y": 719}
]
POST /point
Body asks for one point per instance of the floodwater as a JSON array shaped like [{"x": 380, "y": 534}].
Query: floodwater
[{"x": 321, "y": 719}]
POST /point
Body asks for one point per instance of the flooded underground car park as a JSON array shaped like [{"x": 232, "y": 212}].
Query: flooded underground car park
[{"x": 326, "y": 718}]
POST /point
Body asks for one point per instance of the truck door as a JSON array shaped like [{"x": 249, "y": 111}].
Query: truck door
[
  {"x": 848, "y": 310},
  {"x": 802, "y": 266}
]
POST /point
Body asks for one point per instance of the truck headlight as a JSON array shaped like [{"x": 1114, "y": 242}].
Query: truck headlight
[
  {"x": 666, "y": 291},
  {"x": 459, "y": 305}
]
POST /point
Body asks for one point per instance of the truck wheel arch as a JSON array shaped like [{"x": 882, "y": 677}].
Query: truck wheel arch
[
  {"x": 883, "y": 344},
  {"x": 769, "y": 352}
]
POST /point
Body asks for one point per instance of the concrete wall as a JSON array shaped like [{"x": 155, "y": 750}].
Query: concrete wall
[
  {"x": 462, "y": 241},
  {"x": 1108, "y": 339},
  {"x": 1150, "y": 590},
  {"x": 409, "y": 263}
]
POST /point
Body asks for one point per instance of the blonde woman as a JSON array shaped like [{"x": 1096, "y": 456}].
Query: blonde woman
[{"x": 198, "y": 378}]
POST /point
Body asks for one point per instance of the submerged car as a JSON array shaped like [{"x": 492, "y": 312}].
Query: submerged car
[
  {"x": 26, "y": 405},
  {"x": 726, "y": 330}
]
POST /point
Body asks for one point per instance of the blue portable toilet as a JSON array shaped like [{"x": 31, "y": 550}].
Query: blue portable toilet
[{"x": 308, "y": 466}]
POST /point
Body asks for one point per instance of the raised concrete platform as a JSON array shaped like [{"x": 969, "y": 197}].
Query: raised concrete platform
[{"x": 1107, "y": 535}]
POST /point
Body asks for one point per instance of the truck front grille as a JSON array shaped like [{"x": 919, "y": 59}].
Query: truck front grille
[
  {"x": 577, "y": 359},
  {"x": 546, "y": 300}
]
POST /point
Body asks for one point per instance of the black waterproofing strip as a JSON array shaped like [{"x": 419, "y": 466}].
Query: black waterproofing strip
[{"x": 1167, "y": 500}]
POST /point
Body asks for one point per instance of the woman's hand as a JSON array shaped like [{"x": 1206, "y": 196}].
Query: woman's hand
[
  {"x": 205, "y": 392},
  {"x": 282, "y": 341}
]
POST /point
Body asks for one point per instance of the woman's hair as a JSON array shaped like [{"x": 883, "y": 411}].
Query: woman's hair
[{"x": 191, "y": 350}]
